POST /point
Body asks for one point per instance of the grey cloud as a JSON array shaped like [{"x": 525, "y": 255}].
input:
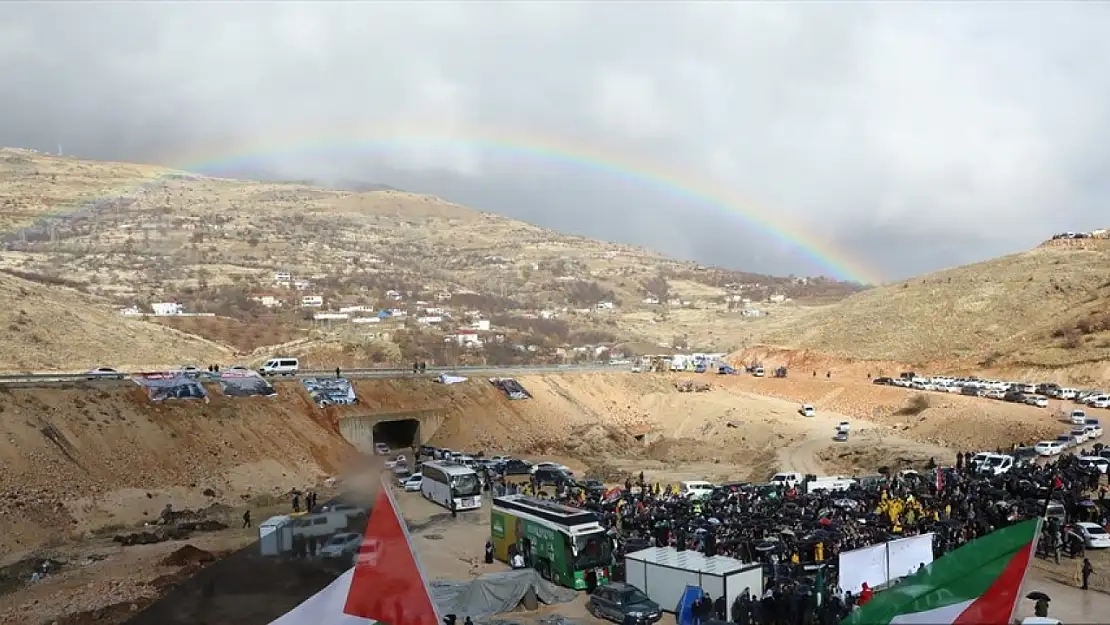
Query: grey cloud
[{"x": 980, "y": 125}]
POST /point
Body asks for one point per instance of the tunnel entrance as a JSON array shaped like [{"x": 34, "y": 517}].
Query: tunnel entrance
[{"x": 399, "y": 434}]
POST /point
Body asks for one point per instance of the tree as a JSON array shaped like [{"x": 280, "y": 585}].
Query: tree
[{"x": 658, "y": 287}]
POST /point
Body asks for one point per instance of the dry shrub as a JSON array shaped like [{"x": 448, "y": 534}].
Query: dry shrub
[{"x": 916, "y": 405}]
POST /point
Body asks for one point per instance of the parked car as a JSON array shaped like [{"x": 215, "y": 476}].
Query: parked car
[
  {"x": 412, "y": 484},
  {"x": 381, "y": 449},
  {"x": 1093, "y": 430},
  {"x": 807, "y": 411},
  {"x": 352, "y": 511},
  {"x": 1098, "y": 463},
  {"x": 555, "y": 477},
  {"x": 516, "y": 466},
  {"x": 623, "y": 603},
  {"x": 105, "y": 373},
  {"x": 1049, "y": 448},
  {"x": 1036, "y": 400},
  {"x": 881, "y": 381},
  {"x": 1094, "y": 535},
  {"x": 341, "y": 546},
  {"x": 1079, "y": 434},
  {"x": 1078, "y": 417}
]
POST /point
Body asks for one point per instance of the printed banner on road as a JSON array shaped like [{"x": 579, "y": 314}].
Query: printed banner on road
[
  {"x": 330, "y": 391},
  {"x": 170, "y": 385},
  {"x": 244, "y": 384}
]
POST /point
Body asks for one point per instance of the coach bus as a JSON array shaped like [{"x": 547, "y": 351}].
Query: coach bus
[
  {"x": 446, "y": 481},
  {"x": 564, "y": 545}
]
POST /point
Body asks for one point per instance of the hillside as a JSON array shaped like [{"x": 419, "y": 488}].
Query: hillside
[
  {"x": 1047, "y": 308},
  {"x": 138, "y": 235},
  {"x": 53, "y": 327}
]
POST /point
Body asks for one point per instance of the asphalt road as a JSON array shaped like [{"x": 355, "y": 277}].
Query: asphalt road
[{"x": 53, "y": 379}]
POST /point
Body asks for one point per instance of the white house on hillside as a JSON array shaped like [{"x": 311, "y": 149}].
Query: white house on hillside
[
  {"x": 167, "y": 309},
  {"x": 312, "y": 301}
]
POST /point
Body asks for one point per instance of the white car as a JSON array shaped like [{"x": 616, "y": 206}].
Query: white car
[
  {"x": 399, "y": 460},
  {"x": 105, "y": 373},
  {"x": 555, "y": 466},
  {"x": 807, "y": 411},
  {"x": 341, "y": 545},
  {"x": 381, "y": 449},
  {"x": 1098, "y": 462},
  {"x": 1094, "y": 430},
  {"x": 1103, "y": 402},
  {"x": 1049, "y": 448},
  {"x": 1079, "y": 434},
  {"x": 412, "y": 484},
  {"x": 1078, "y": 417},
  {"x": 1038, "y": 401},
  {"x": 1094, "y": 535},
  {"x": 843, "y": 426}
]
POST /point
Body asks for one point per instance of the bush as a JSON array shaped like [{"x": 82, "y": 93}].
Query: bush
[{"x": 915, "y": 406}]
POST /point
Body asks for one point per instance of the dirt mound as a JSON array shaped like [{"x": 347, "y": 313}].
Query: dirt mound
[
  {"x": 188, "y": 555},
  {"x": 79, "y": 458}
]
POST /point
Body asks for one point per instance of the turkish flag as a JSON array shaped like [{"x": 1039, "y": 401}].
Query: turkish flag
[{"x": 386, "y": 583}]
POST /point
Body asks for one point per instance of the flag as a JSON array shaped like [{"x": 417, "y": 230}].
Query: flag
[
  {"x": 386, "y": 584},
  {"x": 977, "y": 584}
]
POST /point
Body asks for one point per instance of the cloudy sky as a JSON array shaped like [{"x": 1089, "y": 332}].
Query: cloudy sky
[{"x": 892, "y": 139}]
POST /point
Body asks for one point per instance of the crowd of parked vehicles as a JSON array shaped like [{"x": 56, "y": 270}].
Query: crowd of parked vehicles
[{"x": 1016, "y": 392}]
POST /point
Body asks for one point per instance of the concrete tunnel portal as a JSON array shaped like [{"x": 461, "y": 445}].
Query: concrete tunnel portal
[
  {"x": 399, "y": 434},
  {"x": 398, "y": 430}
]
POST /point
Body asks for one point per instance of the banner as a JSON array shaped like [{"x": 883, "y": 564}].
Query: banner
[
  {"x": 237, "y": 383},
  {"x": 881, "y": 564},
  {"x": 170, "y": 385},
  {"x": 330, "y": 391}
]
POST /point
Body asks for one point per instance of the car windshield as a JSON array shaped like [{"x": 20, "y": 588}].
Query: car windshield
[
  {"x": 995, "y": 461},
  {"x": 339, "y": 539},
  {"x": 465, "y": 485},
  {"x": 634, "y": 596},
  {"x": 593, "y": 550}
]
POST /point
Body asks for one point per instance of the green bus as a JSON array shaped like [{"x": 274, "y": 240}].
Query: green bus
[{"x": 561, "y": 543}]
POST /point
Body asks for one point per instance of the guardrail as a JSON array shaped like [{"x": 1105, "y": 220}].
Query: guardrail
[{"x": 47, "y": 378}]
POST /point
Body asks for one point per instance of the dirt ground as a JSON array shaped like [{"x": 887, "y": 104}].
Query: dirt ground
[{"x": 84, "y": 464}]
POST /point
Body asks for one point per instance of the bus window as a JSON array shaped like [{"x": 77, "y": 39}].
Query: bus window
[
  {"x": 466, "y": 485},
  {"x": 593, "y": 550}
]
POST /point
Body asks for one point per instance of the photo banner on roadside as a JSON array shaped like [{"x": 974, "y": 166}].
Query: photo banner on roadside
[
  {"x": 170, "y": 385},
  {"x": 236, "y": 383},
  {"x": 330, "y": 391}
]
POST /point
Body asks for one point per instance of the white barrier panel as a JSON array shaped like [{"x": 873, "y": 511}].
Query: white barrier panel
[
  {"x": 862, "y": 565},
  {"x": 906, "y": 555}
]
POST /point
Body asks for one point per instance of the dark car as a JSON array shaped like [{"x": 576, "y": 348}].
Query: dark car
[
  {"x": 514, "y": 466},
  {"x": 555, "y": 477},
  {"x": 882, "y": 381},
  {"x": 623, "y": 603},
  {"x": 591, "y": 486}
]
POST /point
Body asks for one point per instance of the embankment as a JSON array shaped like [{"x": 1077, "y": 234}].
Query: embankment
[
  {"x": 806, "y": 361},
  {"x": 78, "y": 458}
]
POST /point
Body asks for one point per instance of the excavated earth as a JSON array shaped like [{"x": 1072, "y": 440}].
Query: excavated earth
[{"x": 81, "y": 464}]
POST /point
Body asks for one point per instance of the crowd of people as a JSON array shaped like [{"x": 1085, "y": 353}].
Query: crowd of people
[{"x": 798, "y": 536}]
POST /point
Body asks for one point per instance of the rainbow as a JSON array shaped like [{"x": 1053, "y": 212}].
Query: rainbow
[{"x": 837, "y": 262}]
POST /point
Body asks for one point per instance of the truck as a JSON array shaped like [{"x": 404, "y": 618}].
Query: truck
[
  {"x": 812, "y": 483},
  {"x": 565, "y": 545}
]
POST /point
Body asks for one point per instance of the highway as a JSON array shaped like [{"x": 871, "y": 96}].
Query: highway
[{"x": 40, "y": 378}]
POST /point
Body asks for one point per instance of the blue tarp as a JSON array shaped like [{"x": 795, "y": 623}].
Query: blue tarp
[{"x": 684, "y": 611}]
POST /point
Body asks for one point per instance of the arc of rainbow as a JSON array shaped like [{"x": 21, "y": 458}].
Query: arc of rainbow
[{"x": 532, "y": 146}]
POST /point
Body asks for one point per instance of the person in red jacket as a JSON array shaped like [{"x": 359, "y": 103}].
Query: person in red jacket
[{"x": 865, "y": 594}]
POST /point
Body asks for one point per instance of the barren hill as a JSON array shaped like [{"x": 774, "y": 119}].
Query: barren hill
[
  {"x": 1045, "y": 308},
  {"x": 54, "y": 327},
  {"x": 138, "y": 235}
]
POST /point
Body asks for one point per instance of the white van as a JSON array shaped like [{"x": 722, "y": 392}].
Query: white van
[
  {"x": 1078, "y": 417},
  {"x": 320, "y": 524},
  {"x": 695, "y": 489},
  {"x": 789, "y": 479},
  {"x": 280, "y": 366}
]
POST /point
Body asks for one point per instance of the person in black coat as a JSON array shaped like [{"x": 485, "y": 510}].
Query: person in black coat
[{"x": 720, "y": 606}]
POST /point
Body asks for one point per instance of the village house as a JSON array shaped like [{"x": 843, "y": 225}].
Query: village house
[
  {"x": 312, "y": 301},
  {"x": 464, "y": 338},
  {"x": 269, "y": 300},
  {"x": 394, "y": 295},
  {"x": 777, "y": 298},
  {"x": 480, "y": 324},
  {"x": 167, "y": 309},
  {"x": 131, "y": 311},
  {"x": 651, "y": 299},
  {"x": 283, "y": 277},
  {"x": 752, "y": 312},
  {"x": 605, "y": 306},
  {"x": 356, "y": 309},
  {"x": 429, "y": 320},
  {"x": 366, "y": 320},
  {"x": 548, "y": 314},
  {"x": 302, "y": 285}
]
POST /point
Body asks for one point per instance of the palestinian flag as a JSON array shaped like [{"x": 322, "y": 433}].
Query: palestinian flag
[{"x": 977, "y": 584}]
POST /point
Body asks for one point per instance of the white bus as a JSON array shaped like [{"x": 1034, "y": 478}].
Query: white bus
[{"x": 444, "y": 481}]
